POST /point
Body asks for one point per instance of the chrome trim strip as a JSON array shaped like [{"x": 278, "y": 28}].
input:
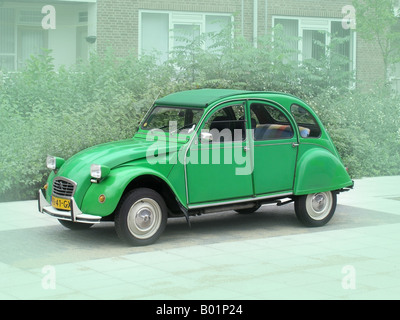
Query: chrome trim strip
[
  {"x": 318, "y": 145},
  {"x": 75, "y": 215},
  {"x": 281, "y": 195},
  {"x": 272, "y": 144}
]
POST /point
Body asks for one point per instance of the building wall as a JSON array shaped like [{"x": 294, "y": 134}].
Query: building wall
[
  {"x": 118, "y": 23},
  {"x": 62, "y": 41},
  {"x": 118, "y": 20},
  {"x": 369, "y": 63}
]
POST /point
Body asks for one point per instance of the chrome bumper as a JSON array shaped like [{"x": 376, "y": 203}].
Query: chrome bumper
[{"x": 75, "y": 215}]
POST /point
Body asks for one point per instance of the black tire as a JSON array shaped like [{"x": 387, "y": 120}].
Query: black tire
[
  {"x": 315, "y": 210},
  {"x": 75, "y": 225},
  {"x": 141, "y": 217},
  {"x": 248, "y": 210}
]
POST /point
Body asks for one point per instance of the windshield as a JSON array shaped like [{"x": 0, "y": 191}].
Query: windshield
[{"x": 173, "y": 119}]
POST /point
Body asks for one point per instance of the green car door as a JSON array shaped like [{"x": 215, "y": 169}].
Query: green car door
[
  {"x": 219, "y": 162},
  {"x": 275, "y": 148}
]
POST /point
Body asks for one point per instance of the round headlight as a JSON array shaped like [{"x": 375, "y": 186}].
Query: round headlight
[
  {"x": 98, "y": 171},
  {"x": 54, "y": 163}
]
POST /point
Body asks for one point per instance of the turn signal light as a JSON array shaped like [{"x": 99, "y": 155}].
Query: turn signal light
[{"x": 102, "y": 198}]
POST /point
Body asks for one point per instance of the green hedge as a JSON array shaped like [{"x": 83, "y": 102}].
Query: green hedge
[
  {"x": 44, "y": 111},
  {"x": 365, "y": 127}
]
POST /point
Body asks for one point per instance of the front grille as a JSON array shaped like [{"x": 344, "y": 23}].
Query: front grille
[{"x": 63, "y": 188}]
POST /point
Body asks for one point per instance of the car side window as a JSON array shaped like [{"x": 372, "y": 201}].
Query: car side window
[
  {"x": 308, "y": 125},
  {"x": 269, "y": 123},
  {"x": 226, "y": 125}
]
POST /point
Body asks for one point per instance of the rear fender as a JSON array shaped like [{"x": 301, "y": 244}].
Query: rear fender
[{"x": 319, "y": 170}]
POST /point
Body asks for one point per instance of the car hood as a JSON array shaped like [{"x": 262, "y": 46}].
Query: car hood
[{"x": 112, "y": 154}]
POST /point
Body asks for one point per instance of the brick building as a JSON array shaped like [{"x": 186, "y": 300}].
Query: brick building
[
  {"x": 128, "y": 25},
  {"x": 141, "y": 26}
]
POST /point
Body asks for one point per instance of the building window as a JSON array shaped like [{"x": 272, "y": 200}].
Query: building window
[
  {"x": 82, "y": 47},
  {"x": 308, "y": 38},
  {"x": 83, "y": 17},
  {"x": 290, "y": 28},
  {"x": 7, "y": 39},
  {"x": 314, "y": 44},
  {"x": 31, "y": 41},
  {"x": 21, "y": 36},
  {"x": 162, "y": 32}
]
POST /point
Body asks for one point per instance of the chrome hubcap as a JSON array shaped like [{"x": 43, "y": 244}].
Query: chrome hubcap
[
  {"x": 319, "y": 202},
  {"x": 144, "y": 218},
  {"x": 319, "y": 205}
]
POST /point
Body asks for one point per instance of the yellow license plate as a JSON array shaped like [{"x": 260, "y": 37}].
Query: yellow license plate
[{"x": 61, "y": 204}]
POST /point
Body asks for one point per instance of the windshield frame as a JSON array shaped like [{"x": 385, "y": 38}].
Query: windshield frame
[{"x": 145, "y": 127}]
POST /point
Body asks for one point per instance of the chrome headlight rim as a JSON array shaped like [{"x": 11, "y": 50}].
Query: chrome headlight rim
[{"x": 99, "y": 171}]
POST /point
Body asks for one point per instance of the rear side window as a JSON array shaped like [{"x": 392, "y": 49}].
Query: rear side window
[
  {"x": 269, "y": 123},
  {"x": 308, "y": 125}
]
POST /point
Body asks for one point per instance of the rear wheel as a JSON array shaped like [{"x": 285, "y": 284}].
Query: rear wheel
[
  {"x": 141, "y": 217},
  {"x": 315, "y": 210}
]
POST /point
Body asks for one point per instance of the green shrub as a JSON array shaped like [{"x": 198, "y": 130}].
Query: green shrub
[
  {"x": 44, "y": 111},
  {"x": 365, "y": 127}
]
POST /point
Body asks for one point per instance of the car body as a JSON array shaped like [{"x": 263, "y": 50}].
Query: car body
[{"x": 201, "y": 151}]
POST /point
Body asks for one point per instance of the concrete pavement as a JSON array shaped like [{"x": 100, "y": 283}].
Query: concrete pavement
[{"x": 266, "y": 255}]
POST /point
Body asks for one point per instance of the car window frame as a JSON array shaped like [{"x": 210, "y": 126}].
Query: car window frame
[
  {"x": 314, "y": 118},
  {"x": 270, "y": 117},
  {"x": 218, "y": 108},
  {"x": 146, "y": 118}
]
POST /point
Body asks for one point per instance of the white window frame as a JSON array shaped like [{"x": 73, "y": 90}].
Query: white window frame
[
  {"x": 397, "y": 8},
  {"x": 15, "y": 52},
  {"x": 321, "y": 24},
  {"x": 179, "y": 17},
  {"x": 18, "y": 8}
]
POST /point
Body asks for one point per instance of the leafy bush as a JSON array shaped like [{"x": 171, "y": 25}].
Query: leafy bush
[
  {"x": 365, "y": 127},
  {"x": 269, "y": 66},
  {"x": 60, "y": 112}
]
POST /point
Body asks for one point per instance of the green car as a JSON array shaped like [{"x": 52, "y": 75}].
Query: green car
[{"x": 196, "y": 152}]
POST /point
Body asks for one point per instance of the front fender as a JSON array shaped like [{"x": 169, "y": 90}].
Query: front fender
[
  {"x": 319, "y": 170},
  {"x": 113, "y": 187}
]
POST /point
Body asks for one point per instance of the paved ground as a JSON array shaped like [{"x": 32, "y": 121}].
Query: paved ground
[{"x": 266, "y": 255}]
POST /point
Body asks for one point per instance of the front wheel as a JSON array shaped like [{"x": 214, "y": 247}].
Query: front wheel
[
  {"x": 315, "y": 210},
  {"x": 141, "y": 217}
]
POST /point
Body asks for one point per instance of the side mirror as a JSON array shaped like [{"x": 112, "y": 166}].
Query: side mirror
[{"x": 206, "y": 137}]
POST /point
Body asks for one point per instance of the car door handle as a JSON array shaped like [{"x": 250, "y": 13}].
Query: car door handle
[
  {"x": 245, "y": 148},
  {"x": 295, "y": 144}
]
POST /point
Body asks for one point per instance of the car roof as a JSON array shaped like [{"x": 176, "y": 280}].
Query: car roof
[{"x": 202, "y": 98}]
